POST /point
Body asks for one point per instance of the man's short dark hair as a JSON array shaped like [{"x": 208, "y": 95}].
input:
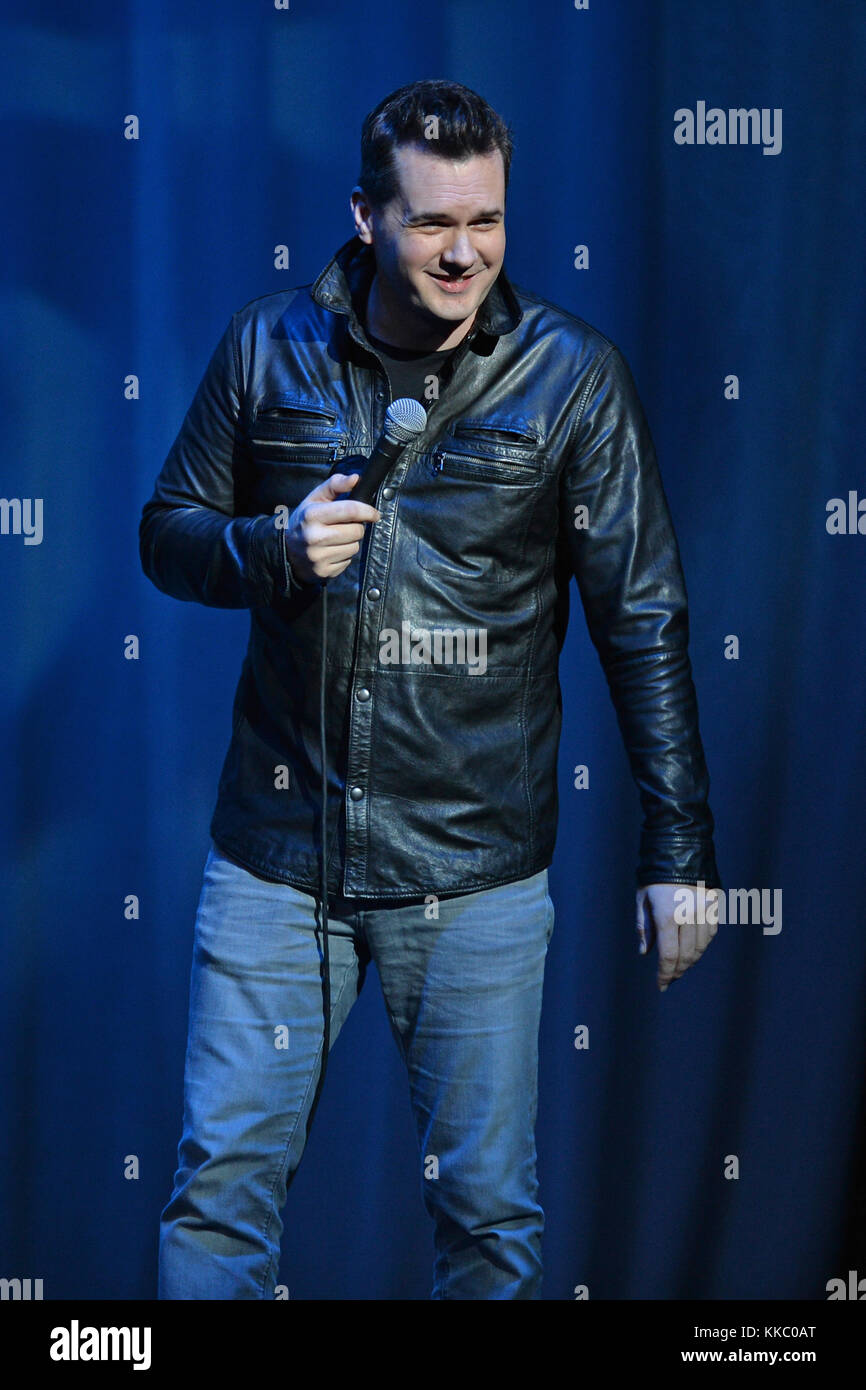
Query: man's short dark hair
[{"x": 465, "y": 124}]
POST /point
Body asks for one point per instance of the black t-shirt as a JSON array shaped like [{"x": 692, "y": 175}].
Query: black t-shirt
[{"x": 409, "y": 370}]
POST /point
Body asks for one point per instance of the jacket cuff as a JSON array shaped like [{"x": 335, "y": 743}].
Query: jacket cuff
[
  {"x": 290, "y": 582},
  {"x": 678, "y": 861}
]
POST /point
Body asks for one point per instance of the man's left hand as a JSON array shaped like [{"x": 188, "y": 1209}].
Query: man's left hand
[{"x": 664, "y": 915}]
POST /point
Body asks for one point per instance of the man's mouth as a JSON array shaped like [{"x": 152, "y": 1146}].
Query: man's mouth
[{"x": 450, "y": 285}]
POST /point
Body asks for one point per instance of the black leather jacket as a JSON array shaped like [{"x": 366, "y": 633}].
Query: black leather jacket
[{"x": 442, "y": 771}]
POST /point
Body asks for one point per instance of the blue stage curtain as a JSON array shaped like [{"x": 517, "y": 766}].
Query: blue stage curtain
[{"x": 125, "y": 258}]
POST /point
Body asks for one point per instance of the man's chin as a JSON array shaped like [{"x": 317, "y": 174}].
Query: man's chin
[{"x": 451, "y": 313}]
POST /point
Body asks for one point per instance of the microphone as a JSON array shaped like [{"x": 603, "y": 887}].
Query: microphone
[{"x": 405, "y": 419}]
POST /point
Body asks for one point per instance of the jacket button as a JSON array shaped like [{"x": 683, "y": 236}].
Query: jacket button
[
  {"x": 387, "y": 493},
  {"x": 374, "y": 593},
  {"x": 356, "y": 793},
  {"x": 363, "y": 693}
]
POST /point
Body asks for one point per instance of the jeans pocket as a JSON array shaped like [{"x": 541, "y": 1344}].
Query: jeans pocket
[{"x": 551, "y": 917}]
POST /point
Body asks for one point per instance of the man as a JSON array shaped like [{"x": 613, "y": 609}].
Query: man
[{"x": 447, "y": 604}]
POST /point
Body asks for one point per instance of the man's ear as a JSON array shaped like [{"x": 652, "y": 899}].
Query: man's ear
[{"x": 362, "y": 213}]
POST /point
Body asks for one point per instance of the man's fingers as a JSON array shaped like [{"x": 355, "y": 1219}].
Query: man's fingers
[
  {"x": 341, "y": 512},
  {"x": 675, "y": 945},
  {"x": 667, "y": 971},
  {"x": 688, "y": 952},
  {"x": 342, "y": 509},
  {"x": 332, "y": 554},
  {"x": 683, "y": 949},
  {"x": 317, "y": 534},
  {"x": 705, "y": 933},
  {"x": 334, "y": 484}
]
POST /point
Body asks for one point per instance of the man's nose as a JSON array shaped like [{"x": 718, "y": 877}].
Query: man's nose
[{"x": 459, "y": 251}]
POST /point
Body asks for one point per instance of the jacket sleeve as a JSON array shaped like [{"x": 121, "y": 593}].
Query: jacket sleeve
[
  {"x": 192, "y": 543},
  {"x": 624, "y": 555}
]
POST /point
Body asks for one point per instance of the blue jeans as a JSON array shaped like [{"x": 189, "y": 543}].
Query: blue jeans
[{"x": 463, "y": 994}]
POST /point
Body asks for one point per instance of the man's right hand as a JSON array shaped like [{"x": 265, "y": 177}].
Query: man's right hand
[{"x": 323, "y": 533}]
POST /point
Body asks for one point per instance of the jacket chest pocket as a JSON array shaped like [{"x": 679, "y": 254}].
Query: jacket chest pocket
[
  {"x": 482, "y": 484},
  {"x": 489, "y": 453},
  {"x": 294, "y": 446}
]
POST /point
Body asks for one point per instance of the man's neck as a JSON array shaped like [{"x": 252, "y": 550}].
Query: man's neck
[{"x": 387, "y": 329}]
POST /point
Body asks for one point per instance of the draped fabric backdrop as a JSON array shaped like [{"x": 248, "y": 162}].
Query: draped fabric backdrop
[{"x": 124, "y": 258}]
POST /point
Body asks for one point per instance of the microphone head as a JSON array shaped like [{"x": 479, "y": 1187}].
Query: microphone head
[{"x": 404, "y": 419}]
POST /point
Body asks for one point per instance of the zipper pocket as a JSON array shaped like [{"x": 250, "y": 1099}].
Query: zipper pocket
[
  {"x": 296, "y": 431},
  {"x": 284, "y": 405},
  {"x": 495, "y": 434},
  {"x": 303, "y": 417},
  {"x": 500, "y": 471},
  {"x": 315, "y": 448}
]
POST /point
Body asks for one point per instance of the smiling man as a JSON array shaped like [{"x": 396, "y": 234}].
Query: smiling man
[{"x": 535, "y": 467}]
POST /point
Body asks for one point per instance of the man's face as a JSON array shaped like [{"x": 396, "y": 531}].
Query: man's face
[{"x": 440, "y": 242}]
